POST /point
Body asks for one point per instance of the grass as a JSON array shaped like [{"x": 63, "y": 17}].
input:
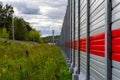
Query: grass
[{"x": 25, "y": 61}]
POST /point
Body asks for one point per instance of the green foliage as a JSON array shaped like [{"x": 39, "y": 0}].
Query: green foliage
[
  {"x": 6, "y": 16},
  {"x": 27, "y": 25},
  {"x": 20, "y": 29},
  {"x": 34, "y": 35},
  {"x": 3, "y": 33},
  {"x": 23, "y": 31},
  {"x": 25, "y": 61},
  {"x": 50, "y": 38}
]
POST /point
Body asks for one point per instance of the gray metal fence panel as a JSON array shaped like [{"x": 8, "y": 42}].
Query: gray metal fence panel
[
  {"x": 115, "y": 26},
  {"x": 76, "y": 35},
  {"x": 83, "y": 31},
  {"x": 97, "y": 26}
]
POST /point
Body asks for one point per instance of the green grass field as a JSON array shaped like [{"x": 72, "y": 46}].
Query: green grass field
[{"x": 25, "y": 61}]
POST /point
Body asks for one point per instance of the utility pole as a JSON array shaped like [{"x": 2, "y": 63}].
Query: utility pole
[
  {"x": 53, "y": 36},
  {"x": 13, "y": 26}
]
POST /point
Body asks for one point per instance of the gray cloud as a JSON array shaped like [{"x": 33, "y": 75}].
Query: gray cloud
[
  {"x": 56, "y": 14},
  {"x": 26, "y": 8}
]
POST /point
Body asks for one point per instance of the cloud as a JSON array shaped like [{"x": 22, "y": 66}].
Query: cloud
[
  {"x": 27, "y": 10},
  {"x": 25, "y": 7},
  {"x": 52, "y": 12},
  {"x": 43, "y": 15}
]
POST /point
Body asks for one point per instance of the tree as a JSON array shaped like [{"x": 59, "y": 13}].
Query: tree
[
  {"x": 20, "y": 28},
  {"x": 27, "y": 25},
  {"x": 34, "y": 35},
  {"x": 6, "y": 17}
]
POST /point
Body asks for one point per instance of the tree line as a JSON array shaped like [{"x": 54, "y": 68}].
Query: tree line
[
  {"x": 22, "y": 29},
  {"x": 49, "y": 39}
]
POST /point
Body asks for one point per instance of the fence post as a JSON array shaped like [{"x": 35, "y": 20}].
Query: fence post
[
  {"x": 87, "y": 40},
  {"x": 78, "y": 37},
  {"x": 108, "y": 49},
  {"x": 74, "y": 35}
]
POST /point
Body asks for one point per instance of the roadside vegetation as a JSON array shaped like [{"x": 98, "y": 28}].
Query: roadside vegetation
[{"x": 26, "y": 61}]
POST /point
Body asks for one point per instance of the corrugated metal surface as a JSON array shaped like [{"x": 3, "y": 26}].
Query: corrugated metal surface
[
  {"x": 115, "y": 51},
  {"x": 73, "y": 33},
  {"x": 76, "y": 35},
  {"x": 83, "y": 29},
  {"x": 64, "y": 39},
  {"x": 97, "y": 26}
]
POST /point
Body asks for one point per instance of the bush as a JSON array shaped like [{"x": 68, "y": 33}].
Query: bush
[
  {"x": 34, "y": 35},
  {"x": 3, "y": 33}
]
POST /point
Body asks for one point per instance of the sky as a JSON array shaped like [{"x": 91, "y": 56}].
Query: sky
[{"x": 43, "y": 15}]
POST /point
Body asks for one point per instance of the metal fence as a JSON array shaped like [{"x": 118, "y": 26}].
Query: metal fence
[{"x": 90, "y": 39}]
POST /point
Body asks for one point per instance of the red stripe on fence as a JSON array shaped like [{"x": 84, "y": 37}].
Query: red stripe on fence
[
  {"x": 97, "y": 37},
  {"x": 116, "y": 41},
  {"x": 116, "y": 56},
  {"x": 116, "y": 45},
  {"x": 97, "y": 42},
  {"x": 116, "y": 33},
  {"x": 97, "y": 45},
  {"x": 97, "y": 52}
]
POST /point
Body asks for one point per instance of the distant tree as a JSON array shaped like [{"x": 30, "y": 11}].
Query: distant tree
[
  {"x": 49, "y": 39},
  {"x": 35, "y": 36}
]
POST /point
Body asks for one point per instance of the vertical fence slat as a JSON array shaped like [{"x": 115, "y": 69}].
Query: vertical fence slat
[
  {"x": 78, "y": 37},
  {"x": 108, "y": 62},
  {"x": 74, "y": 33},
  {"x": 71, "y": 27},
  {"x": 88, "y": 45}
]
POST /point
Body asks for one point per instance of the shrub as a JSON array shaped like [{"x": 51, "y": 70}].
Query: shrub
[
  {"x": 3, "y": 33},
  {"x": 34, "y": 35}
]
